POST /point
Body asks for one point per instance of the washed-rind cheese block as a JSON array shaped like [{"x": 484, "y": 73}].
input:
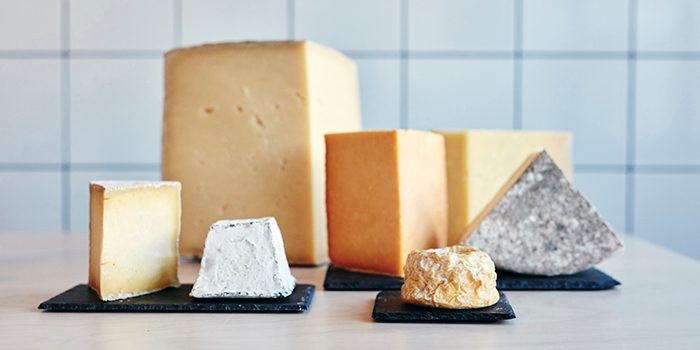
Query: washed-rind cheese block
[
  {"x": 243, "y": 132},
  {"x": 540, "y": 224},
  {"x": 386, "y": 196},
  {"x": 480, "y": 162},
  {"x": 134, "y": 231},
  {"x": 455, "y": 277},
  {"x": 244, "y": 259}
]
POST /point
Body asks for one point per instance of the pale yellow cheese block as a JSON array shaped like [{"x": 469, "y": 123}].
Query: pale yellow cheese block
[
  {"x": 479, "y": 162},
  {"x": 387, "y": 195},
  {"x": 243, "y": 132},
  {"x": 134, "y": 230}
]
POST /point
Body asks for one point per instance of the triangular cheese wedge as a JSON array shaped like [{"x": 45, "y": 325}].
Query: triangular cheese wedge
[
  {"x": 540, "y": 224},
  {"x": 244, "y": 259}
]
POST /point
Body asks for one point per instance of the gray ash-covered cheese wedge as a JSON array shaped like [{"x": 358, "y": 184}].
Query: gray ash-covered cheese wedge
[
  {"x": 540, "y": 224},
  {"x": 244, "y": 259}
]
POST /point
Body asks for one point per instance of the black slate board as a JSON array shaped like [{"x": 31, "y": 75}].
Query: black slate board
[
  {"x": 388, "y": 307},
  {"x": 591, "y": 279},
  {"x": 83, "y": 299}
]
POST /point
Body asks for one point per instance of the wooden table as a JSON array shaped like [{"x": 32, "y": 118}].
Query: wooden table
[{"x": 657, "y": 306}]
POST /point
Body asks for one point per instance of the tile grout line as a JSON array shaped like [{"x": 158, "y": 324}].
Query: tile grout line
[
  {"x": 517, "y": 65},
  {"x": 631, "y": 117},
  {"x": 291, "y": 19},
  {"x": 403, "y": 65},
  {"x": 65, "y": 116}
]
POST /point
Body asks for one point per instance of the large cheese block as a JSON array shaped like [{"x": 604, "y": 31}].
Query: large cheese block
[
  {"x": 386, "y": 196},
  {"x": 479, "y": 163},
  {"x": 134, "y": 230},
  {"x": 243, "y": 132},
  {"x": 540, "y": 224},
  {"x": 455, "y": 277},
  {"x": 244, "y": 259}
]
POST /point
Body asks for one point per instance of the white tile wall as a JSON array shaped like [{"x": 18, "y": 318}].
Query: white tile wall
[
  {"x": 81, "y": 89},
  {"x": 575, "y": 25},
  {"x": 479, "y": 94},
  {"x": 461, "y": 24},
  {"x": 30, "y": 122},
  {"x": 584, "y": 96}
]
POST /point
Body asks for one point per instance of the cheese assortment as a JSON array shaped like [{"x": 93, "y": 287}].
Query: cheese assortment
[
  {"x": 386, "y": 196},
  {"x": 540, "y": 224},
  {"x": 134, "y": 230},
  {"x": 479, "y": 162},
  {"x": 271, "y": 130},
  {"x": 243, "y": 132},
  {"x": 455, "y": 277},
  {"x": 244, "y": 259}
]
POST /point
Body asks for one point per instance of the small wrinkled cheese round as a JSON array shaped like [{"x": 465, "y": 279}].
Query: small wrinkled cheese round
[{"x": 456, "y": 277}]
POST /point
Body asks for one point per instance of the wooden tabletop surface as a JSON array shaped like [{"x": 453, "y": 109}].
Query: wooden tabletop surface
[{"x": 657, "y": 306}]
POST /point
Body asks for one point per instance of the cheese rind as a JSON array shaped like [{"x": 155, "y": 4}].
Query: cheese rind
[
  {"x": 540, "y": 224},
  {"x": 479, "y": 162},
  {"x": 386, "y": 196},
  {"x": 134, "y": 231},
  {"x": 454, "y": 277},
  {"x": 244, "y": 259},
  {"x": 243, "y": 131}
]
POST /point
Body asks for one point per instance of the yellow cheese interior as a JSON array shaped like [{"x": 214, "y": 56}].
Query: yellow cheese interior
[
  {"x": 243, "y": 133},
  {"x": 386, "y": 197},
  {"x": 134, "y": 232},
  {"x": 479, "y": 163}
]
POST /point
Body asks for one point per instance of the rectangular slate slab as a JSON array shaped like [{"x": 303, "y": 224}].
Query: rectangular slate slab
[
  {"x": 341, "y": 279},
  {"x": 83, "y": 299},
  {"x": 591, "y": 279},
  {"x": 388, "y": 307}
]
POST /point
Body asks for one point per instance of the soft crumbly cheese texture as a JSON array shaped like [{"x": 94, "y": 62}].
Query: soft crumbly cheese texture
[
  {"x": 479, "y": 162},
  {"x": 386, "y": 196},
  {"x": 134, "y": 231},
  {"x": 455, "y": 277},
  {"x": 540, "y": 224},
  {"x": 244, "y": 259},
  {"x": 243, "y": 131}
]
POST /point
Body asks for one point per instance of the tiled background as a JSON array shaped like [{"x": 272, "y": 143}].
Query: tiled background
[{"x": 81, "y": 89}]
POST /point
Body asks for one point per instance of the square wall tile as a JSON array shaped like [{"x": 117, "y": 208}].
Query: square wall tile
[
  {"x": 460, "y": 94},
  {"x": 116, "y": 110},
  {"x": 587, "y": 97},
  {"x": 30, "y": 122},
  {"x": 606, "y": 191},
  {"x": 233, "y": 20},
  {"x": 461, "y": 25},
  {"x": 30, "y": 201},
  {"x": 121, "y": 25},
  {"x": 80, "y": 192},
  {"x": 30, "y": 25},
  {"x": 379, "y": 93},
  {"x": 574, "y": 25},
  {"x": 666, "y": 211},
  {"x": 668, "y": 112},
  {"x": 349, "y": 25},
  {"x": 668, "y": 25}
]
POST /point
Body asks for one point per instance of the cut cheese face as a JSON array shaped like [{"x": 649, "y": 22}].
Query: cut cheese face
[
  {"x": 134, "y": 231},
  {"x": 479, "y": 162},
  {"x": 244, "y": 259},
  {"x": 386, "y": 196},
  {"x": 243, "y": 133}
]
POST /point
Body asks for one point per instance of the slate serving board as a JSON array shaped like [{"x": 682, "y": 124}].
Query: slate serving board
[
  {"x": 83, "y": 299},
  {"x": 388, "y": 307},
  {"x": 591, "y": 279}
]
